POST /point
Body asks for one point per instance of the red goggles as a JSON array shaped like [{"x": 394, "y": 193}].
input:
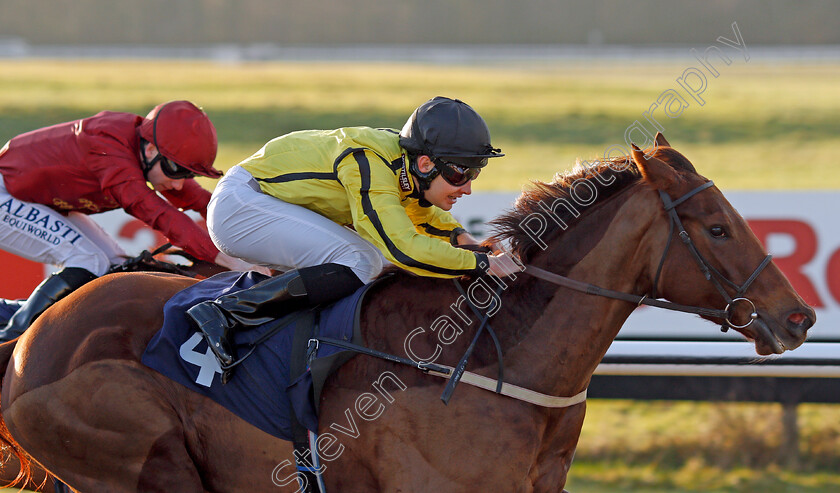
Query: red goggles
[{"x": 455, "y": 174}]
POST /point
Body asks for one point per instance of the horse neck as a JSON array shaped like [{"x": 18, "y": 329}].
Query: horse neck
[{"x": 568, "y": 335}]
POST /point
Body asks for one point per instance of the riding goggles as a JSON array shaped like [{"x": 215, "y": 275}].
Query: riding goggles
[
  {"x": 455, "y": 174},
  {"x": 173, "y": 170}
]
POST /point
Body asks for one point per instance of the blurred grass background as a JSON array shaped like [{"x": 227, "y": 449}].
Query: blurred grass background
[
  {"x": 763, "y": 126},
  {"x": 655, "y": 446}
]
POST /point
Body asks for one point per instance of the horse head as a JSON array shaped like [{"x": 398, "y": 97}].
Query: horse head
[
  {"x": 703, "y": 253},
  {"x": 649, "y": 224}
]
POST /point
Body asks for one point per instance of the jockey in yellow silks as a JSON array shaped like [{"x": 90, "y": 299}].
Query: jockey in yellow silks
[
  {"x": 332, "y": 208},
  {"x": 359, "y": 176}
]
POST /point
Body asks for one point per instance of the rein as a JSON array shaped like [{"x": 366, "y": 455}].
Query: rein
[
  {"x": 618, "y": 295},
  {"x": 709, "y": 272},
  {"x": 146, "y": 261}
]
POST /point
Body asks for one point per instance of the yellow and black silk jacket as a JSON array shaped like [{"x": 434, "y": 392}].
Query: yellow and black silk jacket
[{"x": 359, "y": 176}]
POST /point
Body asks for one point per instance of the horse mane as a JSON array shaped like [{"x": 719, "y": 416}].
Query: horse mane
[{"x": 607, "y": 177}]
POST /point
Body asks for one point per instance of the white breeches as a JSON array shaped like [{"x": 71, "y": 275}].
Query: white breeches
[
  {"x": 39, "y": 233},
  {"x": 246, "y": 223}
]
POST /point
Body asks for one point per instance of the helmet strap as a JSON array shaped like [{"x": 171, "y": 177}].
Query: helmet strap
[
  {"x": 424, "y": 180},
  {"x": 144, "y": 144},
  {"x": 147, "y": 164}
]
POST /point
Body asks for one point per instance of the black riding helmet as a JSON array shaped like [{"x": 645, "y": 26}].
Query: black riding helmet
[{"x": 447, "y": 130}]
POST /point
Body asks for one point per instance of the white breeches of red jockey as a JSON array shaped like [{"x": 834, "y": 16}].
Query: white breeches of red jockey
[{"x": 38, "y": 233}]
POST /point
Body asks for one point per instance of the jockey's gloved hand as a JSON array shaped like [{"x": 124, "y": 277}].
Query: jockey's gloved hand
[
  {"x": 503, "y": 265},
  {"x": 236, "y": 264}
]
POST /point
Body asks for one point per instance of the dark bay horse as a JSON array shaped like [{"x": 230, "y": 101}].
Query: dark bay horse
[{"x": 76, "y": 397}]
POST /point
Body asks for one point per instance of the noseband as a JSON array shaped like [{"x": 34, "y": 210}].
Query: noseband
[{"x": 709, "y": 272}]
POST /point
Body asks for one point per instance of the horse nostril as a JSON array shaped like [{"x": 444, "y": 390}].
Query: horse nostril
[{"x": 800, "y": 322}]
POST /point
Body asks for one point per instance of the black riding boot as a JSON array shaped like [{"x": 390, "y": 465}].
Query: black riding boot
[
  {"x": 267, "y": 300},
  {"x": 52, "y": 289}
]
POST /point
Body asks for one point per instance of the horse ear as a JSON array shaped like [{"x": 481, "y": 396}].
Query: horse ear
[
  {"x": 660, "y": 140},
  {"x": 659, "y": 174}
]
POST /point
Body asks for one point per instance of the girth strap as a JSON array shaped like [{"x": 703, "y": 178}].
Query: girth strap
[{"x": 309, "y": 479}]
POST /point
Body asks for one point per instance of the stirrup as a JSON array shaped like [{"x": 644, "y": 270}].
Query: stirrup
[
  {"x": 228, "y": 370},
  {"x": 227, "y": 375}
]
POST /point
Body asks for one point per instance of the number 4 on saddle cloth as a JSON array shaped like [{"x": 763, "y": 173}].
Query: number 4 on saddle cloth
[{"x": 263, "y": 392}]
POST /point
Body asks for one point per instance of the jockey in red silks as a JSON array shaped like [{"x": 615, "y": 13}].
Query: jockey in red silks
[
  {"x": 51, "y": 179},
  {"x": 332, "y": 208}
]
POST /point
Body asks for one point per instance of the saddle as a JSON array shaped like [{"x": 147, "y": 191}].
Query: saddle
[{"x": 283, "y": 369}]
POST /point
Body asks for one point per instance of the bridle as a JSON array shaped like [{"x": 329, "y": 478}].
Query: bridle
[
  {"x": 709, "y": 272},
  {"x": 457, "y": 373}
]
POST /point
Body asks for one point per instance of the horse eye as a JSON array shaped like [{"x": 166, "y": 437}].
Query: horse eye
[{"x": 718, "y": 232}]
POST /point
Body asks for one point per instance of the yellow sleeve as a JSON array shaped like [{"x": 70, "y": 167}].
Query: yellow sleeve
[
  {"x": 433, "y": 221},
  {"x": 379, "y": 217}
]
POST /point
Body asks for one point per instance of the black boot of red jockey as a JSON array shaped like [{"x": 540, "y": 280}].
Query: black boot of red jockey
[
  {"x": 51, "y": 290},
  {"x": 267, "y": 300}
]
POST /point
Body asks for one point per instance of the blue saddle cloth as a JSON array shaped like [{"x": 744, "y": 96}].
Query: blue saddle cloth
[
  {"x": 260, "y": 391},
  {"x": 8, "y": 308}
]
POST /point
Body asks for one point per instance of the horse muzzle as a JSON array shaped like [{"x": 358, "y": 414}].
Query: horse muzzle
[{"x": 775, "y": 335}]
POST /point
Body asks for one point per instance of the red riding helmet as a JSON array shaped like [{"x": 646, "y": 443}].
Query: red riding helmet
[{"x": 184, "y": 134}]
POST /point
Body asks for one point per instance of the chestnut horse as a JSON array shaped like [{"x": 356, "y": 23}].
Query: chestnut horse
[
  {"x": 76, "y": 397},
  {"x": 39, "y": 480}
]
